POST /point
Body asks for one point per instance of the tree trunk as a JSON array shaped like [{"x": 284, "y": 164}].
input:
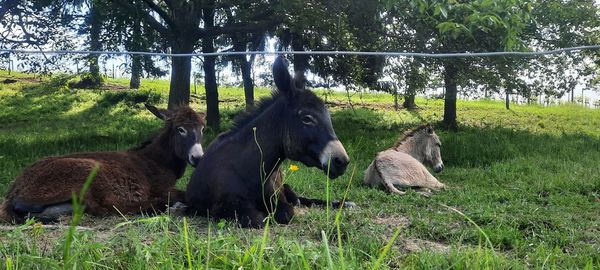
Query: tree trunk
[
  {"x": 95, "y": 22},
  {"x": 181, "y": 69},
  {"x": 136, "y": 72},
  {"x": 395, "y": 97},
  {"x": 409, "y": 101},
  {"x": 450, "y": 73},
  {"x": 136, "y": 60},
  {"x": 248, "y": 83},
  {"x": 210, "y": 85},
  {"x": 507, "y": 99},
  {"x": 213, "y": 118},
  {"x": 300, "y": 60},
  {"x": 246, "y": 69}
]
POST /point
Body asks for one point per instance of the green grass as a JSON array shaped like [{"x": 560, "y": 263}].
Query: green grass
[{"x": 529, "y": 178}]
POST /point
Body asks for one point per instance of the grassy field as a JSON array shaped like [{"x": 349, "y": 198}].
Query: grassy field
[{"x": 525, "y": 184}]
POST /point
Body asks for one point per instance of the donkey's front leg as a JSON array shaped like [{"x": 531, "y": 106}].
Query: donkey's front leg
[
  {"x": 175, "y": 195},
  {"x": 250, "y": 217},
  {"x": 284, "y": 212}
]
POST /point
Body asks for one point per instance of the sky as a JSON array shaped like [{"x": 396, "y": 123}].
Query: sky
[{"x": 229, "y": 77}]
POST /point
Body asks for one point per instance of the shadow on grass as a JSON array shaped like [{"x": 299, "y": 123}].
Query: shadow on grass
[{"x": 368, "y": 133}]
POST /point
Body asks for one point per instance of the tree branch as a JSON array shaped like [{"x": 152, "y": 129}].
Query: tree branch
[
  {"x": 241, "y": 27},
  {"x": 7, "y": 6},
  {"x": 162, "y": 13},
  {"x": 147, "y": 17}
]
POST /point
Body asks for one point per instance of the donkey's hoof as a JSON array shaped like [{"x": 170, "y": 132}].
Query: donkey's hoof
[
  {"x": 178, "y": 209},
  {"x": 350, "y": 205},
  {"x": 346, "y": 204}
]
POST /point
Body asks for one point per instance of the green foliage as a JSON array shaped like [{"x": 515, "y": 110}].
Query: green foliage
[
  {"x": 86, "y": 81},
  {"x": 131, "y": 98}
]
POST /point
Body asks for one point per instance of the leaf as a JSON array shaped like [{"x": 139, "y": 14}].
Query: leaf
[{"x": 444, "y": 12}]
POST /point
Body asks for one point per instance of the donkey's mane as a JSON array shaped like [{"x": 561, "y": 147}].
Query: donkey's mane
[
  {"x": 145, "y": 143},
  {"x": 409, "y": 134},
  {"x": 246, "y": 117}
]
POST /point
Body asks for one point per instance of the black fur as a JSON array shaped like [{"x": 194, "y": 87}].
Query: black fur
[{"x": 238, "y": 177}]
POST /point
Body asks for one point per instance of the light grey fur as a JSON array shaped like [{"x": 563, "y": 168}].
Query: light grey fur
[{"x": 402, "y": 165}]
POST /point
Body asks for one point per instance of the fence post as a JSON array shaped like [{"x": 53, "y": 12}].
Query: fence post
[
  {"x": 395, "y": 96},
  {"x": 9, "y": 64}
]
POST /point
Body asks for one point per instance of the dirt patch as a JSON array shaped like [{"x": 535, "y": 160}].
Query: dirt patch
[
  {"x": 368, "y": 105},
  {"x": 9, "y": 81},
  {"x": 394, "y": 221},
  {"x": 411, "y": 245},
  {"x": 114, "y": 87},
  {"x": 407, "y": 245}
]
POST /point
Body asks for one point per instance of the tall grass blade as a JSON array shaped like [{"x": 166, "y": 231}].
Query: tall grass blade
[
  {"x": 187, "y": 243},
  {"x": 263, "y": 243},
  {"x": 338, "y": 217},
  {"x": 385, "y": 250},
  {"x": 78, "y": 208},
  {"x": 327, "y": 195},
  {"x": 487, "y": 239},
  {"x": 327, "y": 252}
]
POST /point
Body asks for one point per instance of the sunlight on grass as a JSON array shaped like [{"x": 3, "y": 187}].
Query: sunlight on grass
[{"x": 525, "y": 178}]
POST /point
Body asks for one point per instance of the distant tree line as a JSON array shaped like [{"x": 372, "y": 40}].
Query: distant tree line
[{"x": 430, "y": 26}]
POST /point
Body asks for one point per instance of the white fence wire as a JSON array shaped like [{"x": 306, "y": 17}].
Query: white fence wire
[
  {"x": 524, "y": 54},
  {"x": 392, "y": 54}
]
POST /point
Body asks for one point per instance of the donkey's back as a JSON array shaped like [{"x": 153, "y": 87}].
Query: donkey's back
[
  {"x": 120, "y": 182},
  {"x": 398, "y": 170},
  {"x": 141, "y": 179}
]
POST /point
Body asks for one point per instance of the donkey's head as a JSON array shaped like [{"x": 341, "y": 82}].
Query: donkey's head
[
  {"x": 184, "y": 127},
  {"x": 427, "y": 147},
  {"x": 308, "y": 133}
]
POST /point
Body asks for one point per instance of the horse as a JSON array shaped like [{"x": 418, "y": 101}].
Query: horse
[
  {"x": 136, "y": 180},
  {"x": 402, "y": 165},
  {"x": 239, "y": 177}
]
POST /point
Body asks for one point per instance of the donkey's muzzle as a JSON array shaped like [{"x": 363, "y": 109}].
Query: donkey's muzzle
[
  {"x": 337, "y": 167},
  {"x": 438, "y": 168},
  {"x": 334, "y": 159},
  {"x": 195, "y": 154}
]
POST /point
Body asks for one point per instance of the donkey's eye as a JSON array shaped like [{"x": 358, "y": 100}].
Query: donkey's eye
[
  {"x": 307, "y": 120},
  {"x": 182, "y": 131}
]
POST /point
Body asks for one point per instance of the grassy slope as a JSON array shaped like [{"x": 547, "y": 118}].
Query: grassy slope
[{"x": 528, "y": 177}]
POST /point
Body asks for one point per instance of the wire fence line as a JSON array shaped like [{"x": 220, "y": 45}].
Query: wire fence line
[{"x": 363, "y": 53}]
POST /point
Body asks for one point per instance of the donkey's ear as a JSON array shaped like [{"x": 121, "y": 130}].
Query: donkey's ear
[
  {"x": 281, "y": 75},
  {"x": 160, "y": 113},
  {"x": 429, "y": 128}
]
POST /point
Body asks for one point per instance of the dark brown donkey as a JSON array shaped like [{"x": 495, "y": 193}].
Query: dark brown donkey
[
  {"x": 137, "y": 180},
  {"x": 238, "y": 177}
]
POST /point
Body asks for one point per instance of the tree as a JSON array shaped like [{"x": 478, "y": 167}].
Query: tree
[
  {"x": 411, "y": 75},
  {"x": 356, "y": 26},
  {"x": 93, "y": 28},
  {"x": 560, "y": 24},
  {"x": 183, "y": 24},
  {"x": 473, "y": 26},
  {"x": 241, "y": 42},
  {"x": 36, "y": 25},
  {"x": 128, "y": 30}
]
